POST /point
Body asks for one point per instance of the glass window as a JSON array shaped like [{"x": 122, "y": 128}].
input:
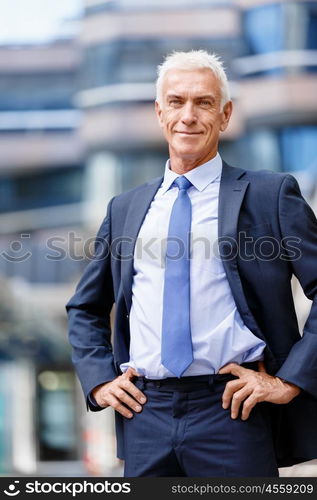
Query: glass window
[
  {"x": 136, "y": 60},
  {"x": 49, "y": 259},
  {"x": 41, "y": 189},
  {"x": 264, "y": 28},
  {"x": 37, "y": 91},
  {"x": 312, "y": 26},
  {"x": 298, "y": 146},
  {"x": 278, "y": 27},
  {"x": 56, "y": 416},
  {"x": 290, "y": 149},
  {"x": 256, "y": 150},
  {"x": 139, "y": 167}
]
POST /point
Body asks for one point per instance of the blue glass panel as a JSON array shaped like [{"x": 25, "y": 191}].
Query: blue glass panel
[
  {"x": 264, "y": 28},
  {"x": 312, "y": 28},
  {"x": 299, "y": 150}
]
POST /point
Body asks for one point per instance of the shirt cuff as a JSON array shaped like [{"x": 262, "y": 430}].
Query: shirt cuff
[{"x": 92, "y": 400}]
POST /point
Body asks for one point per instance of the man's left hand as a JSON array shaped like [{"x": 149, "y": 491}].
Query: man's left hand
[{"x": 253, "y": 387}]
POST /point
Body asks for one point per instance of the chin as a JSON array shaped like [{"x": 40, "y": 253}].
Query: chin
[
  {"x": 185, "y": 152},
  {"x": 186, "y": 149}
]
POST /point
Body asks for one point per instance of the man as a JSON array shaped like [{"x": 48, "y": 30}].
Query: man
[{"x": 209, "y": 375}]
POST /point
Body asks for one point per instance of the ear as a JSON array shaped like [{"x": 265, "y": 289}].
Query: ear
[
  {"x": 159, "y": 112},
  {"x": 226, "y": 114}
]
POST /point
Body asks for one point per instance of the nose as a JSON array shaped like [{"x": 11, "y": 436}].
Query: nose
[{"x": 188, "y": 114}]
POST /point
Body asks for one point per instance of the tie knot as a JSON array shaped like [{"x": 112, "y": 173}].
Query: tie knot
[{"x": 182, "y": 183}]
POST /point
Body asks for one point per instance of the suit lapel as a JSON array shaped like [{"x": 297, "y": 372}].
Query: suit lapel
[
  {"x": 231, "y": 194},
  {"x": 139, "y": 206}
]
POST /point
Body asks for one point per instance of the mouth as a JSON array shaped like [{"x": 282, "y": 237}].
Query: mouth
[{"x": 188, "y": 133}]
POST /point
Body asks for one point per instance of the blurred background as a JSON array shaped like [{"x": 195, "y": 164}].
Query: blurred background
[{"x": 77, "y": 126}]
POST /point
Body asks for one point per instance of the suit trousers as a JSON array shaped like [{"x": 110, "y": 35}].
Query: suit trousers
[{"x": 184, "y": 431}]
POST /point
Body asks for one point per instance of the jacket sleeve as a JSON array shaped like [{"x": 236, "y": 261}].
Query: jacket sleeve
[
  {"x": 297, "y": 220},
  {"x": 89, "y": 317}
]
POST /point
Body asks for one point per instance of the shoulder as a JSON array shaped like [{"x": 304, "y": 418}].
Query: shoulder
[
  {"x": 268, "y": 176},
  {"x": 267, "y": 179},
  {"x": 274, "y": 184}
]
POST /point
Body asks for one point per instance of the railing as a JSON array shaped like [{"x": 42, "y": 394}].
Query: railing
[{"x": 286, "y": 59}]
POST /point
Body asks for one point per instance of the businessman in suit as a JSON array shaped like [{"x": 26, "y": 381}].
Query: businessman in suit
[{"x": 206, "y": 369}]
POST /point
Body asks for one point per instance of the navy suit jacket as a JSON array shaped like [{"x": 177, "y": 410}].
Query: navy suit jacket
[{"x": 267, "y": 233}]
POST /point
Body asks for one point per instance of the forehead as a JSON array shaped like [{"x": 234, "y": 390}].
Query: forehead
[{"x": 199, "y": 81}]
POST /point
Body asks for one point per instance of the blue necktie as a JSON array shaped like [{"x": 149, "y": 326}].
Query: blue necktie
[{"x": 177, "y": 351}]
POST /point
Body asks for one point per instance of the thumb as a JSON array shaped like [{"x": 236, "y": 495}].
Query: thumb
[
  {"x": 261, "y": 367},
  {"x": 232, "y": 368},
  {"x": 131, "y": 372}
]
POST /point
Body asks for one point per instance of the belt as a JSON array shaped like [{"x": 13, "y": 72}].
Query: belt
[{"x": 190, "y": 383}]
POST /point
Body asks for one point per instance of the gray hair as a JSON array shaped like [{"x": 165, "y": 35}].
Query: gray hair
[{"x": 193, "y": 59}]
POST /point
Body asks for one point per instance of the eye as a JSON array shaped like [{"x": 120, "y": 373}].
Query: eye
[
  {"x": 175, "y": 102},
  {"x": 205, "y": 102}
]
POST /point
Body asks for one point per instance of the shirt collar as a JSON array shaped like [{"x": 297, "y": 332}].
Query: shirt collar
[{"x": 200, "y": 176}]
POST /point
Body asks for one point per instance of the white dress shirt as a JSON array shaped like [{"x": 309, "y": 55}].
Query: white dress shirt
[{"x": 219, "y": 335}]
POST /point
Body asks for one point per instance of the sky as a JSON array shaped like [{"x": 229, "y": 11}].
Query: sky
[{"x": 34, "y": 21}]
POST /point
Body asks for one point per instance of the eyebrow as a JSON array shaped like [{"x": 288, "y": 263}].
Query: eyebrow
[
  {"x": 174, "y": 95},
  {"x": 207, "y": 96}
]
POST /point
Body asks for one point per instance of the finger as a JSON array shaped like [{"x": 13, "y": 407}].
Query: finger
[
  {"x": 98, "y": 390},
  {"x": 261, "y": 367},
  {"x": 232, "y": 368},
  {"x": 133, "y": 390},
  {"x": 248, "y": 404},
  {"x": 123, "y": 397},
  {"x": 131, "y": 372},
  {"x": 100, "y": 401},
  {"x": 230, "y": 389},
  {"x": 112, "y": 401},
  {"x": 237, "y": 400}
]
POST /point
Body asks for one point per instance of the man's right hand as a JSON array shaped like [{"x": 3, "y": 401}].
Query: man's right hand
[{"x": 118, "y": 391}]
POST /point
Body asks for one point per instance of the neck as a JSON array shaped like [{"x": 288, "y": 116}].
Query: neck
[{"x": 181, "y": 165}]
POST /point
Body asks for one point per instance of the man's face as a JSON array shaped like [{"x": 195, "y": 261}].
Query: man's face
[{"x": 190, "y": 113}]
